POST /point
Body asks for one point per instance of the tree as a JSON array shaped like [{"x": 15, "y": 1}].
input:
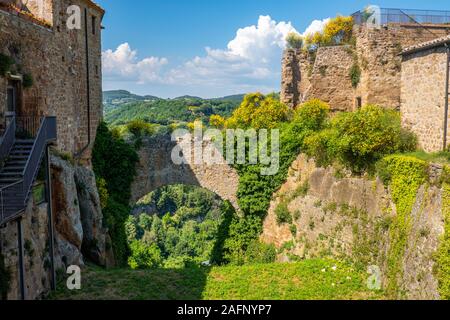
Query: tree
[{"x": 294, "y": 40}]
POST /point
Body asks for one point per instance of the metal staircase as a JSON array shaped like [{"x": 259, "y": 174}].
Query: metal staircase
[{"x": 22, "y": 149}]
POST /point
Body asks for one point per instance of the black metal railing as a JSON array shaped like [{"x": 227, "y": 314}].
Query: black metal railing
[
  {"x": 7, "y": 140},
  {"x": 14, "y": 197},
  {"x": 27, "y": 127},
  {"x": 405, "y": 16}
]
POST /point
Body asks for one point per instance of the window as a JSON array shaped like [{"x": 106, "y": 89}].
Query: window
[
  {"x": 359, "y": 102},
  {"x": 11, "y": 99},
  {"x": 94, "y": 24}
]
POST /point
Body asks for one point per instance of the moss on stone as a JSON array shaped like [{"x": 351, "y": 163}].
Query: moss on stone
[
  {"x": 443, "y": 253},
  {"x": 406, "y": 175}
]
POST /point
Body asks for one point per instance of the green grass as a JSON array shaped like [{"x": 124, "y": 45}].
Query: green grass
[{"x": 305, "y": 280}]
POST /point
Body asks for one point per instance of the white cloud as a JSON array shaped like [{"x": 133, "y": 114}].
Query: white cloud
[
  {"x": 315, "y": 26},
  {"x": 250, "y": 62},
  {"x": 122, "y": 64}
]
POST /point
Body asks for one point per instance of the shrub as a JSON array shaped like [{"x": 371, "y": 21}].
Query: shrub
[
  {"x": 258, "y": 252},
  {"x": 114, "y": 164},
  {"x": 258, "y": 112},
  {"x": 359, "y": 139},
  {"x": 241, "y": 233},
  {"x": 28, "y": 80},
  {"x": 355, "y": 74},
  {"x": 311, "y": 115},
  {"x": 294, "y": 40},
  {"x": 143, "y": 256},
  {"x": 338, "y": 30},
  {"x": 6, "y": 62},
  {"x": 282, "y": 213}
]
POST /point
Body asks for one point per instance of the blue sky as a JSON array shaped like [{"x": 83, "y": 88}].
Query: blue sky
[{"x": 170, "y": 48}]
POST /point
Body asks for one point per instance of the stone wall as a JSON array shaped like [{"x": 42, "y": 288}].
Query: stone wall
[
  {"x": 423, "y": 96},
  {"x": 330, "y": 78},
  {"x": 349, "y": 217},
  {"x": 156, "y": 169},
  {"x": 378, "y": 56},
  {"x": 79, "y": 232},
  {"x": 56, "y": 58}
]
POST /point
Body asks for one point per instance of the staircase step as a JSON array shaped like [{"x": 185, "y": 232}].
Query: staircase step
[
  {"x": 15, "y": 157},
  {"x": 13, "y": 167},
  {"x": 24, "y": 141}
]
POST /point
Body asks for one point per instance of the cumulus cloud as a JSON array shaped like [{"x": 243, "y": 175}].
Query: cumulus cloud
[
  {"x": 251, "y": 61},
  {"x": 316, "y": 26},
  {"x": 123, "y": 64}
]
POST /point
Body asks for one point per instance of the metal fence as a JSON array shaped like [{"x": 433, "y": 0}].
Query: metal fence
[{"x": 405, "y": 16}]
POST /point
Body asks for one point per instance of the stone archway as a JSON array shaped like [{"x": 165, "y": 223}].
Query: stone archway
[{"x": 156, "y": 169}]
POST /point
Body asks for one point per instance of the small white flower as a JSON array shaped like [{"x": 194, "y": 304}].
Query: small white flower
[
  {"x": 333, "y": 285},
  {"x": 334, "y": 268},
  {"x": 324, "y": 270},
  {"x": 349, "y": 278}
]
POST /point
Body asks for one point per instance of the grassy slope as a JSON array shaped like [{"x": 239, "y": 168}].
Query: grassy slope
[{"x": 298, "y": 281}]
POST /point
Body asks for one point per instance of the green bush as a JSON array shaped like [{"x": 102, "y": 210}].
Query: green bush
[
  {"x": 294, "y": 40},
  {"x": 243, "y": 231},
  {"x": 282, "y": 213},
  {"x": 443, "y": 253},
  {"x": 114, "y": 164},
  {"x": 258, "y": 252},
  {"x": 28, "y": 80},
  {"x": 143, "y": 256},
  {"x": 311, "y": 115},
  {"x": 359, "y": 139},
  {"x": 355, "y": 74},
  {"x": 6, "y": 62}
]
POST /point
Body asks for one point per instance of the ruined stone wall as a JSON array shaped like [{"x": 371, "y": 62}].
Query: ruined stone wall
[
  {"x": 349, "y": 217},
  {"x": 56, "y": 58},
  {"x": 423, "y": 96},
  {"x": 378, "y": 56},
  {"x": 330, "y": 78}
]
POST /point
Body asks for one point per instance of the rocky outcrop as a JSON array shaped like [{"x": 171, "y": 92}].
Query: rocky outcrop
[
  {"x": 94, "y": 232},
  {"x": 67, "y": 216},
  {"x": 337, "y": 215}
]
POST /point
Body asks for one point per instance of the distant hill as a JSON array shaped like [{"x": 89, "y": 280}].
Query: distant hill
[
  {"x": 121, "y": 106},
  {"x": 116, "y": 98}
]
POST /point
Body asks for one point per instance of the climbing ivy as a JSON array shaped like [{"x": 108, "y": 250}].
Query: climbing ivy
[
  {"x": 405, "y": 175},
  {"x": 443, "y": 253}
]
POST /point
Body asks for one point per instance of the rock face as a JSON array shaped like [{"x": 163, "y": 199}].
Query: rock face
[
  {"x": 94, "y": 233},
  {"x": 67, "y": 216},
  {"x": 350, "y": 217},
  {"x": 78, "y": 231}
]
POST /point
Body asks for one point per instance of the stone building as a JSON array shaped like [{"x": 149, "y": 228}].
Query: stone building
[
  {"x": 325, "y": 74},
  {"x": 424, "y": 92},
  {"x": 50, "y": 96}
]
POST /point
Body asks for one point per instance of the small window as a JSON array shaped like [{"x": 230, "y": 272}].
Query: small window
[
  {"x": 358, "y": 102},
  {"x": 94, "y": 24}
]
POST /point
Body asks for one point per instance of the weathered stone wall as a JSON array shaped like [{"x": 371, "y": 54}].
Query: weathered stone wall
[
  {"x": 350, "y": 217},
  {"x": 56, "y": 58},
  {"x": 423, "y": 96},
  {"x": 156, "y": 169},
  {"x": 79, "y": 232},
  {"x": 36, "y": 252},
  {"x": 378, "y": 56},
  {"x": 330, "y": 78}
]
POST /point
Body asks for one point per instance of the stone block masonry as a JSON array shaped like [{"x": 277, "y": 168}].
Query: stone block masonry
[
  {"x": 66, "y": 68},
  {"x": 377, "y": 52},
  {"x": 423, "y": 84}
]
